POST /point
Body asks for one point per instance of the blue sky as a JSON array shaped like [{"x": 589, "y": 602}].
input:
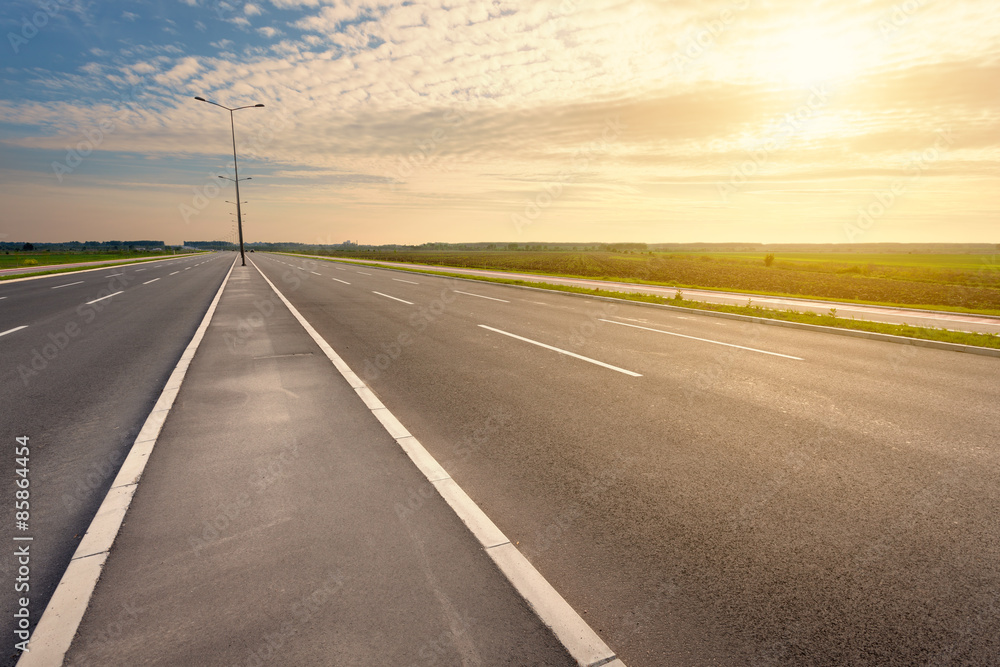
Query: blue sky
[{"x": 556, "y": 120}]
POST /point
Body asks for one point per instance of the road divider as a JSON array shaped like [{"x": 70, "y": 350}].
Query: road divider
[
  {"x": 579, "y": 639},
  {"x": 61, "y": 618},
  {"x": 704, "y": 340},
  {"x": 562, "y": 351}
]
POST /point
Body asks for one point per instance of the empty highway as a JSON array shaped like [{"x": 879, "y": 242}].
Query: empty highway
[
  {"x": 85, "y": 355},
  {"x": 702, "y": 491}
]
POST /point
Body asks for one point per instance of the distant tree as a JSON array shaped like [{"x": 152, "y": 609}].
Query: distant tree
[
  {"x": 769, "y": 259},
  {"x": 27, "y": 246},
  {"x": 511, "y": 246}
]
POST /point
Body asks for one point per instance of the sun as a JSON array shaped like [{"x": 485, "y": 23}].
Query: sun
[{"x": 808, "y": 55}]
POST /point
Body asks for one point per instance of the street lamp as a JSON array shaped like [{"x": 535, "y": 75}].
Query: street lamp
[{"x": 236, "y": 169}]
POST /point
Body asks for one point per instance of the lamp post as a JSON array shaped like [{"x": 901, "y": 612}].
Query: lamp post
[{"x": 236, "y": 169}]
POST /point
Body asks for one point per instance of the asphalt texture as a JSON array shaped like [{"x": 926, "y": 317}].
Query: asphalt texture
[
  {"x": 79, "y": 380},
  {"x": 886, "y": 314},
  {"x": 277, "y": 522},
  {"x": 728, "y": 506}
]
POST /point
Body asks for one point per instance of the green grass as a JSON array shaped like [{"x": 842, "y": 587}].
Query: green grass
[
  {"x": 30, "y": 259},
  {"x": 71, "y": 269},
  {"x": 923, "y": 261},
  {"x": 828, "y": 320},
  {"x": 933, "y": 286}
]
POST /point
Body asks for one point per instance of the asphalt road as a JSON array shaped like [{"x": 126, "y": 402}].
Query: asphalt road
[
  {"x": 935, "y": 319},
  {"x": 80, "y": 372},
  {"x": 28, "y": 270},
  {"x": 703, "y": 491}
]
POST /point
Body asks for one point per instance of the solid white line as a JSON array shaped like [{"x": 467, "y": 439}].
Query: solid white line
[
  {"x": 150, "y": 281},
  {"x": 704, "y": 340},
  {"x": 400, "y": 280},
  {"x": 67, "y": 284},
  {"x": 61, "y": 618},
  {"x": 479, "y": 295},
  {"x": 580, "y": 640},
  {"x": 342, "y": 281},
  {"x": 561, "y": 351},
  {"x": 410, "y": 303},
  {"x": 173, "y": 273},
  {"x": 363, "y": 273},
  {"x": 23, "y": 326},
  {"x": 105, "y": 297}
]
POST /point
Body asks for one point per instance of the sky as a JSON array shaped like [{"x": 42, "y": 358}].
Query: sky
[{"x": 535, "y": 121}]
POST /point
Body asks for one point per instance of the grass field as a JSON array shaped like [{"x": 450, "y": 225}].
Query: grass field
[
  {"x": 817, "y": 319},
  {"x": 964, "y": 283},
  {"x": 28, "y": 259}
]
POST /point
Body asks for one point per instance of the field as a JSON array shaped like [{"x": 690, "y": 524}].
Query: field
[
  {"x": 952, "y": 282},
  {"x": 19, "y": 259}
]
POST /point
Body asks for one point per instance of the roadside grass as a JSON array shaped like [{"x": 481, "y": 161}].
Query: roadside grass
[
  {"x": 20, "y": 258},
  {"x": 957, "y": 290},
  {"x": 73, "y": 269},
  {"x": 825, "y": 319}
]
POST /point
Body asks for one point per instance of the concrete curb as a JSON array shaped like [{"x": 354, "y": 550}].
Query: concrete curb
[
  {"x": 579, "y": 639},
  {"x": 870, "y": 335},
  {"x": 56, "y": 628}
]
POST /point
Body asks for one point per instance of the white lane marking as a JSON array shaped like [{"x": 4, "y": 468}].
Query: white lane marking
[
  {"x": 112, "y": 275},
  {"x": 66, "y": 285},
  {"x": 363, "y": 273},
  {"x": 681, "y": 317},
  {"x": 400, "y": 280},
  {"x": 561, "y": 351},
  {"x": 479, "y": 295},
  {"x": 61, "y": 618},
  {"x": 3, "y": 297},
  {"x": 392, "y": 297},
  {"x": 138, "y": 270},
  {"x": 150, "y": 281},
  {"x": 580, "y": 640},
  {"x": 173, "y": 273},
  {"x": 339, "y": 269},
  {"x": 314, "y": 273},
  {"x": 105, "y": 297},
  {"x": 704, "y": 340},
  {"x": 23, "y": 326},
  {"x": 342, "y": 281}
]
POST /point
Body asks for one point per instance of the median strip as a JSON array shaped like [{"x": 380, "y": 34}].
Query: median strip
[
  {"x": 561, "y": 351},
  {"x": 583, "y": 644},
  {"x": 704, "y": 340}
]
